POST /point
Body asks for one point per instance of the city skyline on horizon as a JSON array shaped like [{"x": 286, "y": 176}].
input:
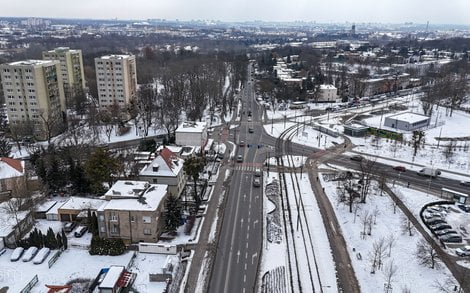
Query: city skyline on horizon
[{"x": 335, "y": 11}]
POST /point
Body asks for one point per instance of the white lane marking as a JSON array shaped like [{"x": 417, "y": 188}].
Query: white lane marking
[
  {"x": 244, "y": 276},
  {"x": 241, "y": 221},
  {"x": 253, "y": 257},
  {"x": 254, "y": 223},
  {"x": 238, "y": 256},
  {"x": 246, "y": 246}
]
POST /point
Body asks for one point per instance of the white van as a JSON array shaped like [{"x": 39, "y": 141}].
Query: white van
[{"x": 41, "y": 256}]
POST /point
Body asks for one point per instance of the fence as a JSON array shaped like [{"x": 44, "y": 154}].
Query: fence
[
  {"x": 54, "y": 258},
  {"x": 30, "y": 285}
]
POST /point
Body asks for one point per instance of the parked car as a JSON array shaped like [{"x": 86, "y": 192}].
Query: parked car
[
  {"x": 451, "y": 238},
  {"x": 80, "y": 231},
  {"x": 435, "y": 221},
  {"x": 428, "y": 216},
  {"x": 465, "y": 183},
  {"x": 239, "y": 158},
  {"x": 399, "y": 168},
  {"x": 256, "y": 182},
  {"x": 41, "y": 256},
  {"x": 464, "y": 208},
  {"x": 463, "y": 251},
  {"x": 30, "y": 253},
  {"x": 445, "y": 232},
  {"x": 68, "y": 227},
  {"x": 435, "y": 209},
  {"x": 440, "y": 226},
  {"x": 357, "y": 158},
  {"x": 17, "y": 253}
]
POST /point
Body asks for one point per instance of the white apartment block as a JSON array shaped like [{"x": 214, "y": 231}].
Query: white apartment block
[
  {"x": 116, "y": 78},
  {"x": 71, "y": 69},
  {"x": 34, "y": 97}
]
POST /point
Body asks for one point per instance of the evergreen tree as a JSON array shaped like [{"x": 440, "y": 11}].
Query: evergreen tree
[
  {"x": 100, "y": 167},
  {"x": 193, "y": 166},
  {"x": 51, "y": 239},
  {"x": 59, "y": 241},
  {"x": 172, "y": 213},
  {"x": 5, "y": 147},
  {"x": 64, "y": 240}
]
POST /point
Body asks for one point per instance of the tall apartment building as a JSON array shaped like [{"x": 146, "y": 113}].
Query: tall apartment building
[
  {"x": 71, "y": 69},
  {"x": 116, "y": 78},
  {"x": 34, "y": 96}
]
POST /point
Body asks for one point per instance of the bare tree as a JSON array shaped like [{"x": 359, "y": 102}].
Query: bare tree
[
  {"x": 407, "y": 225},
  {"x": 51, "y": 123},
  {"x": 389, "y": 274},
  {"x": 365, "y": 219},
  {"x": 377, "y": 254},
  {"x": 391, "y": 240},
  {"x": 426, "y": 254},
  {"x": 366, "y": 174},
  {"x": 19, "y": 207}
]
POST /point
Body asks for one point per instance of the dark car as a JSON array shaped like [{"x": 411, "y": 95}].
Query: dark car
[
  {"x": 435, "y": 221},
  {"x": 465, "y": 183},
  {"x": 251, "y": 130},
  {"x": 68, "y": 227},
  {"x": 357, "y": 158},
  {"x": 399, "y": 168},
  {"x": 446, "y": 232},
  {"x": 464, "y": 208},
  {"x": 242, "y": 143},
  {"x": 80, "y": 231},
  {"x": 451, "y": 238},
  {"x": 441, "y": 226}
]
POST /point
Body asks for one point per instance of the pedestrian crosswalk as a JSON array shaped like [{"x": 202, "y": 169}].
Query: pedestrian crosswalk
[{"x": 247, "y": 168}]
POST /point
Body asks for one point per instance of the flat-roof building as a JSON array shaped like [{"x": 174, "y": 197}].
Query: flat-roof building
[{"x": 407, "y": 121}]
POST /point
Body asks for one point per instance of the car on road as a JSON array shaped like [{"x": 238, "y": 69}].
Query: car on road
[
  {"x": 465, "y": 183},
  {"x": 30, "y": 253},
  {"x": 251, "y": 130},
  {"x": 249, "y": 119},
  {"x": 440, "y": 226},
  {"x": 242, "y": 143},
  {"x": 41, "y": 256},
  {"x": 256, "y": 182},
  {"x": 239, "y": 158},
  {"x": 257, "y": 172},
  {"x": 399, "y": 168},
  {"x": 451, "y": 238},
  {"x": 17, "y": 253},
  {"x": 463, "y": 251},
  {"x": 80, "y": 231},
  {"x": 357, "y": 158}
]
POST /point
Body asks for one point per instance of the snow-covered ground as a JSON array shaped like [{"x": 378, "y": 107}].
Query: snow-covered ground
[
  {"x": 310, "y": 242},
  {"x": 304, "y": 135},
  {"x": 384, "y": 224}
]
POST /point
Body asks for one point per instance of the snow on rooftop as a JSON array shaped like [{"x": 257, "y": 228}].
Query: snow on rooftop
[
  {"x": 33, "y": 62},
  {"x": 166, "y": 164},
  {"x": 45, "y": 206},
  {"x": 191, "y": 127},
  {"x": 10, "y": 168},
  {"x": 327, "y": 87},
  {"x": 127, "y": 188},
  {"x": 409, "y": 117},
  {"x": 148, "y": 201},
  {"x": 111, "y": 277},
  {"x": 117, "y": 56},
  {"x": 81, "y": 203}
]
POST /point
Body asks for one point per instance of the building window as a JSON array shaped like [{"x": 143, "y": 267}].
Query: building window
[
  {"x": 146, "y": 219},
  {"x": 102, "y": 229},
  {"x": 115, "y": 229},
  {"x": 147, "y": 232},
  {"x": 101, "y": 218},
  {"x": 114, "y": 217},
  {"x": 132, "y": 219}
]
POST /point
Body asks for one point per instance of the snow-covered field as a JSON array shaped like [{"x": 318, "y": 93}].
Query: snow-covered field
[{"x": 384, "y": 224}]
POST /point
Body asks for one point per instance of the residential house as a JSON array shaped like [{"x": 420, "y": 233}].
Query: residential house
[
  {"x": 133, "y": 216},
  {"x": 192, "y": 134},
  {"x": 327, "y": 93},
  {"x": 14, "y": 223},
  {"x": 77, "y": 207},
  {"x": 12, "y": 177},
  {"x": 166, "y": 168}
]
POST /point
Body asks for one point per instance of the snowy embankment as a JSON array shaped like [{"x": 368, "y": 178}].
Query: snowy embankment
[{"x": 383, "y": 222}]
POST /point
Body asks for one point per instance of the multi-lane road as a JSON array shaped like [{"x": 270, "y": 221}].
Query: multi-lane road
[{"x": 237, "y": 257}]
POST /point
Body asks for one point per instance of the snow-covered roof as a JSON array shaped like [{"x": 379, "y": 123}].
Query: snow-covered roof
[
  {"x": 192, "y": 127},
  {"x": 148, "y": 201},
  {"x": 409, "y": 117},
  {"x": 127, "y": 188},
  {"x": 82, "y": 203},
  {"x": 33, "y": 62},
  {"x": 115, "y": 56},
  {"x": 111, "y": 277},
  {"x": 327, "y": 87},
  {"x": 166, "y": 164},
  {"x": 45, "y": 206},
  {"x": 175, "y": 149},
  {"x": 7, "y": 221},
  {"x": 10, "y": 168}
]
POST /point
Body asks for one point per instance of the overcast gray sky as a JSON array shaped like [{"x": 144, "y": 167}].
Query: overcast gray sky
[{"x": 388, "y": 11}]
